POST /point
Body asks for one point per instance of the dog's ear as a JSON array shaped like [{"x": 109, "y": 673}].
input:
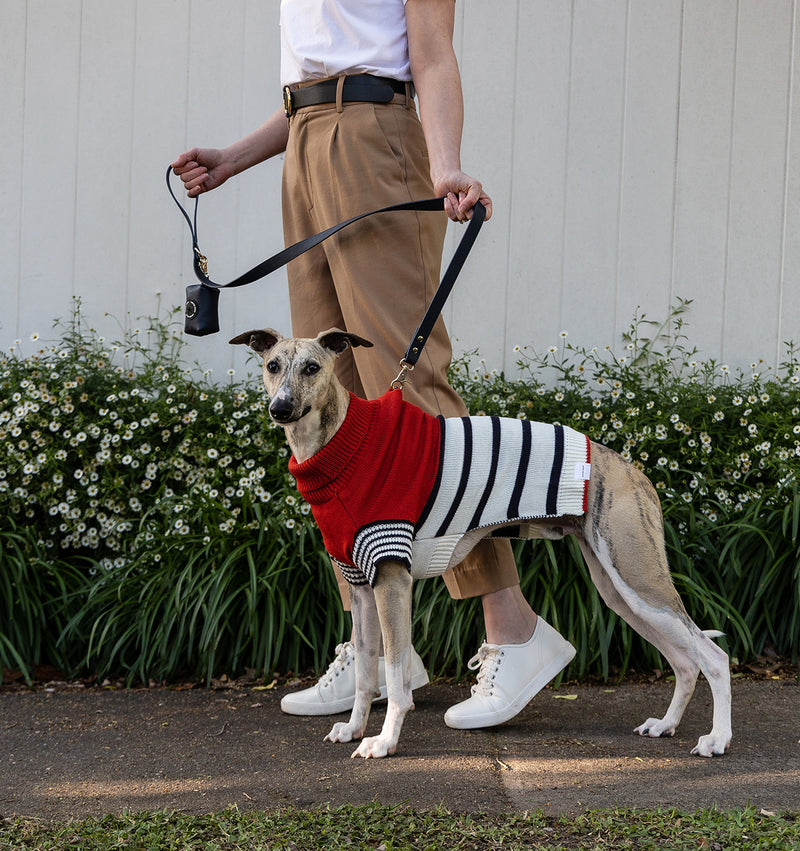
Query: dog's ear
[
  {"x": 337, "y": 341},
  {"x": 259, "y": 341}
]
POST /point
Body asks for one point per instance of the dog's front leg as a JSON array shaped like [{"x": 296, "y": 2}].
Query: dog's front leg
[
  {"x": 367, "y": 641},
  {"x": 393, "y": 600}
]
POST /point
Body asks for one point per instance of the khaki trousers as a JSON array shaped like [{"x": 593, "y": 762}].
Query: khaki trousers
[{"x": 377, "y": 276}]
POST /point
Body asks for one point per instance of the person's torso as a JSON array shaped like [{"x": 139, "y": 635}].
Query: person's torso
[{"x": 327, "y": 38}]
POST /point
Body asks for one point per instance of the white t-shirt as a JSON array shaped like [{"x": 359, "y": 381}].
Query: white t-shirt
[{"x": 327, "y": 38}]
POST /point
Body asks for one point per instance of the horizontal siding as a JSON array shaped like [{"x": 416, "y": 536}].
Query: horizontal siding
[{"x": 635, "y": 153}]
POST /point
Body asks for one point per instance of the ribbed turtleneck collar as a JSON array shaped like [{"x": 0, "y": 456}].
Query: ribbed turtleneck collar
[{"x": 317, "y": 475}]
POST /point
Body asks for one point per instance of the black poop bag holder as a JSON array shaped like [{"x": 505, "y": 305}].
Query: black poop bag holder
[{"x": 201, "y": 314}]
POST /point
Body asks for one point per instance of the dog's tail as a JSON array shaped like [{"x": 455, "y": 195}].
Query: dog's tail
[{"x": 713, "y": 633}]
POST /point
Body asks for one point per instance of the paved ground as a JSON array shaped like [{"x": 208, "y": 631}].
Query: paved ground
[{"x": 77, "y": 753}]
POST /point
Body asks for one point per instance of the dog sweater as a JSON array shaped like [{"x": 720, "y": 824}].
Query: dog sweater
[{"x": 397, "y": 483}]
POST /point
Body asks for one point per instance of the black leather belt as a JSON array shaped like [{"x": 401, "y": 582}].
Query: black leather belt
[{"x": 358, "y": 87}]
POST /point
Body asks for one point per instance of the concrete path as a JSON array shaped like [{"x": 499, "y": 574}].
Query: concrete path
[{"x": 78, "y": 753}]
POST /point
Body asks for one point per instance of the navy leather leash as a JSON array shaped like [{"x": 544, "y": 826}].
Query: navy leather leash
[
  {"x": 280, "y": 259},
  {"x": 441, "y": 295}
]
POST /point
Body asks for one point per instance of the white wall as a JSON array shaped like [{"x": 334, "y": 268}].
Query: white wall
[{"x": 635, "y": 152}]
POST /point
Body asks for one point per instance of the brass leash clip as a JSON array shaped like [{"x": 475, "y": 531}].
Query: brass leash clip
[
  {"x": 405, "y": 368},
  {"x": 202, "y": 261}
]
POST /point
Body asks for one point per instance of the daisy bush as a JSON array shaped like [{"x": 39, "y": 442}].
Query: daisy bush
[
  {"x": 106, "y": 447},
  {"x": 722, "y": 449},
  {"x": 149, "y": 526},
  {"x": 118, "y": 457}
]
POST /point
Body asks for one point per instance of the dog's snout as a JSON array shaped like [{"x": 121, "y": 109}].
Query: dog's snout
[{"x": 281, "y": 410}]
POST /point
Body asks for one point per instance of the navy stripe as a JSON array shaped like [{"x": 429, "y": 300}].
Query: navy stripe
[
  {"x": 522, "y": 470},
  {"x": 438, "y": 483},
  {"x": 462, "y": 485},
  {"x": 352, "y": 574},
  {"x": 476, "y": 518},
  {"x": 384, "y": 540},
  {"x": 382, "y": 536},
  {"x": 555, "y": 471},
  {"x": 507, "y": 532}
]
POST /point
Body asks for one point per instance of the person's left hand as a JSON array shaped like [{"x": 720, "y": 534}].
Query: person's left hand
[{"x": 461, "y": 192}]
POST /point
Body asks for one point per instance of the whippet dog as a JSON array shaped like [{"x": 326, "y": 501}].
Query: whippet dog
[{"x": 610, "y": 506}]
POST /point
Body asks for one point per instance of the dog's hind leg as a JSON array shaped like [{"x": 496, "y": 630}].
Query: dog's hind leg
[
  {"x": 685, "y": 647},
  {"x": 367, "y": 641},
  {"x": 685, "y": 670},
  {"x": 623, "y": 543},
  {"x": 393, "y": 599}
]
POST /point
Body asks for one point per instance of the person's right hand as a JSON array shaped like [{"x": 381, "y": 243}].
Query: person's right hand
[{"x": 202, "y": 169}]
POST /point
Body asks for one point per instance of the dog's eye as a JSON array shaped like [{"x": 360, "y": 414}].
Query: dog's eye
[
  {"x": 273, "y": 367},
  {"x": 312, "y": 368}
]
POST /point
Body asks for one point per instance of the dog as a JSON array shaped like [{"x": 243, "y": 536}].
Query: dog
[{"x": 610, "y": 506}]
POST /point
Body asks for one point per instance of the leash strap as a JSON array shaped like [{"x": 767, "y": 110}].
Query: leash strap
[
  {"x": 445, "y": 287},
  {"x": 280, "y": 259}
]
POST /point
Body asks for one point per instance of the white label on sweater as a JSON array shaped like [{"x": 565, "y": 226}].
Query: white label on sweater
[{"x": 583, "y": 471}]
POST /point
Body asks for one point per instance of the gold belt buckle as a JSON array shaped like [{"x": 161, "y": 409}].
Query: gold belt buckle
[{"x": 287, "y": 101}]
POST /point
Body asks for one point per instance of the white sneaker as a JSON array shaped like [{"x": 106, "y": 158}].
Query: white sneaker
[
  {"x": 335, "y": 691},
  {"x": 510, "y": 676}
]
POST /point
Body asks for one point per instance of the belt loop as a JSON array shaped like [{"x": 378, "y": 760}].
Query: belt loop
[
  {"x": 339, "y": 90},
  {"x": 410, "y": 96}
]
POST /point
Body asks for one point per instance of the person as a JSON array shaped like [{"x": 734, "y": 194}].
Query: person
[{"x": 354, "y": 141}]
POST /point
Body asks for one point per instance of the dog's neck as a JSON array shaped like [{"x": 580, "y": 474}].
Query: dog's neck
[{"x": 310, "y": 433}]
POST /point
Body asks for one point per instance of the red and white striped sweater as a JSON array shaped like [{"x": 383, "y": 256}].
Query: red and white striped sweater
[{"x": 397, "y": 483}]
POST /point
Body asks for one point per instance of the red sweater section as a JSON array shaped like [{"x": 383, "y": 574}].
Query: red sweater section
[{"x": 381, "y": 465}]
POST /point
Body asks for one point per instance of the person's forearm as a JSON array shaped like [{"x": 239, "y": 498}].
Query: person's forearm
[
  {"x": 434, "y": 69},
  {"x": 266, "y": 141},
  {"x": 442, "y": 115}
]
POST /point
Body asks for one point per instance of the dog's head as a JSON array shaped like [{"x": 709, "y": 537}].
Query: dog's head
[{"x": 297, "y": 371}]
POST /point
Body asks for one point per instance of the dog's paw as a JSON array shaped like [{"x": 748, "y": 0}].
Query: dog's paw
[
  {"x": 343, "y": 732},
  {"x": 655, "y": 728},
  {"x": 374, "y": 747},
  {"x": 711, "y": 745}
]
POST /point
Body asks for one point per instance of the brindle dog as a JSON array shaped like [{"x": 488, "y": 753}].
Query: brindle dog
[{"x": 621, "y": 536}]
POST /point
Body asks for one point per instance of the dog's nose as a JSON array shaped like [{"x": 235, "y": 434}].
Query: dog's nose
[{"x": 281, "y": 410}]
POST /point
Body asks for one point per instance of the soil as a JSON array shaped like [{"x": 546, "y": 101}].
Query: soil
[{"x": 69, "y": 751}]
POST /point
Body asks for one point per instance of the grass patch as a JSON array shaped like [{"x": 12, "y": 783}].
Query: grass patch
[{"x": 381, "y": 827}]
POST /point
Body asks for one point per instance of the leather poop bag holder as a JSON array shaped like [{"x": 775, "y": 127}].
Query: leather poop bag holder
[{"x": 202, "y": 299}]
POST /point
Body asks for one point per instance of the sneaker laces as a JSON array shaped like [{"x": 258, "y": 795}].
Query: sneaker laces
[
  {"x": 488, "y": 660},
  {"x": 338, "y": 664}
]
